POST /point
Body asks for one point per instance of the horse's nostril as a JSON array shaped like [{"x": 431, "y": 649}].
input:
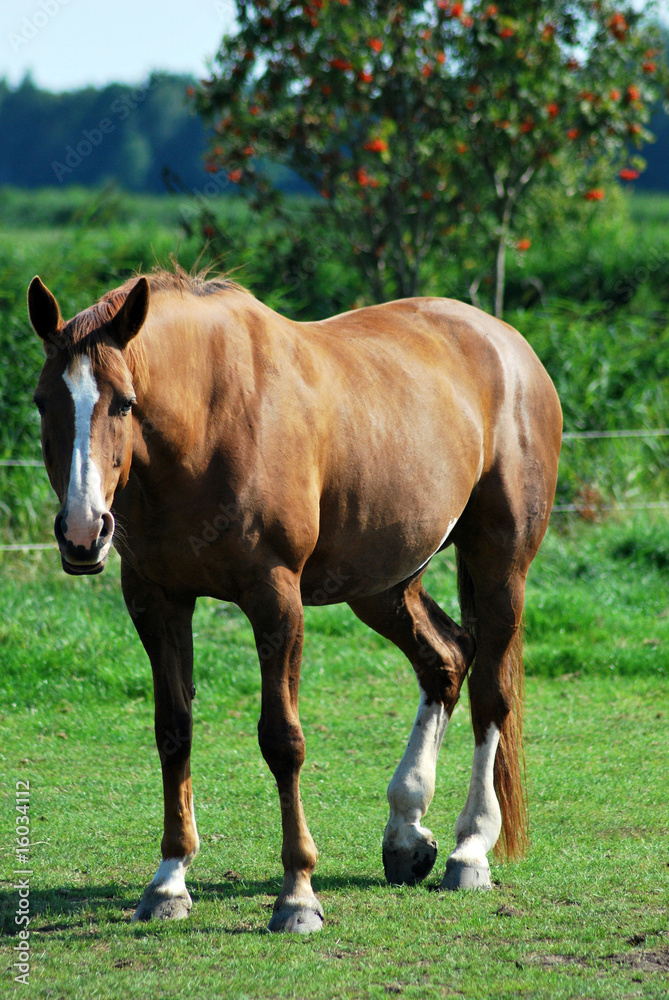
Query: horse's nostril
[
  {"x": 60, "y": 527},
  {"x": 107, "y": 526}
]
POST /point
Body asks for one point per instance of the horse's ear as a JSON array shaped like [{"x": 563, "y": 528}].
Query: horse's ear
[
  {"x": 129, "y": 319},
  {"x": 43, "y": 309}
]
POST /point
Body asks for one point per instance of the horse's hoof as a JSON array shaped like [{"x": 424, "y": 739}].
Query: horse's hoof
[
  {"x": 157, "y": 906},
  {"x": 411, "y": 864},
  {"x": 460, "y": 875},
  {"x": 297, "y": 918}
]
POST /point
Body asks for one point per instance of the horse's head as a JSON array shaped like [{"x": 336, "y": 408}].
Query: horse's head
[{"x": 85, "y": 396}]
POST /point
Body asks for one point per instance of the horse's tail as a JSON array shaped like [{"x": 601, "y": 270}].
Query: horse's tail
[
  {"x": 510, "y": 762},
  {"x": 510, "y": 759}
]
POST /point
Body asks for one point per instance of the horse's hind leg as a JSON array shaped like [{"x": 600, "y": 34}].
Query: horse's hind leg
[
  {"x": 440, "y": 652},
  {"x": 496, "y": 539},
  {"x": 496, "y": 691}
]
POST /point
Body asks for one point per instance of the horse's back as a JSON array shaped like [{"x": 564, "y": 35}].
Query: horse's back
[
  {"x": 449, "y": 361},
  {"x": 437, "y": 337},
  {"x": 425, "y": 399}
]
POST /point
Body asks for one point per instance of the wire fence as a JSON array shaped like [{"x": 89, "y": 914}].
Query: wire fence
[
  {"x": 28, "y": 463},
  {"x": 585, "y": 508},
  {"x": 592, "y": 435},
  {"x": 564, "y": 508}
]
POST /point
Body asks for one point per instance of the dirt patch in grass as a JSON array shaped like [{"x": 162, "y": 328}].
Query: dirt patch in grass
[
  {"x": 508, "y": 911},
  {"x": 647, "y": 960},
  {"x": 553, "y": 961}
]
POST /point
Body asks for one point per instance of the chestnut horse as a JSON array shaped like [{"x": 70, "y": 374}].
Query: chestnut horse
[{"x": 278, "y": 464}]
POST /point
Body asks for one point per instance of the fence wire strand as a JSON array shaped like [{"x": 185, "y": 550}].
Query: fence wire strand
[{"x": 564, "y": 508}]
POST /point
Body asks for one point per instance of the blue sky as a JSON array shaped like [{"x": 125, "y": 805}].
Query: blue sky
[{"x": 67, "y": 44}]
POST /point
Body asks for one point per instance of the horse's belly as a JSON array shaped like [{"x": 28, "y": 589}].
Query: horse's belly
[
  {"x": 362, "y": 556},
  {"x": 335, "y": 580}
]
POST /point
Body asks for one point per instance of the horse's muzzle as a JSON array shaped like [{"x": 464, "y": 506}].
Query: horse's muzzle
[
  {"x": 82, "y": 569},
  {"x": 82, "y": 560}
]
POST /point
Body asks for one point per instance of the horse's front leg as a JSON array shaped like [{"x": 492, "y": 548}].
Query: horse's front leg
[
  {"x": 274, "y": 609},
  {"x": 164, "y": 625}
]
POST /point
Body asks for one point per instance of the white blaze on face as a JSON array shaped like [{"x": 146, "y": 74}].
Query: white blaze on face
[{"x": 85, "y": 503}]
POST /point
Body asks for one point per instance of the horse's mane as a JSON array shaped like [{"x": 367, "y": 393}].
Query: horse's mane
[
  {"x": 88, "y": 334},
  {"x": 180, "y": 280}
]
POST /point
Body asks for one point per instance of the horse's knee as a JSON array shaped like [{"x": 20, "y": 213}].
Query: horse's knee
[
  {"x": 282, "y": 746},
  {"x": 441, "y": 676},
  {"x": 442, "y": 664}
]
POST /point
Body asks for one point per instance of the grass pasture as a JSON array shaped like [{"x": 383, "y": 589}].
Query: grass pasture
[{"x": 586, "y": 914}]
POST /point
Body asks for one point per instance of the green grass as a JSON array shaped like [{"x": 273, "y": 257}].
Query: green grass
[
  {"x": 597, "y": 599},
  {"x": 61, "y": 208},
  {"x": 584, "y": 915}
]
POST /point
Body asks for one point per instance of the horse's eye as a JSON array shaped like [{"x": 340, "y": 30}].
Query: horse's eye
[{"x": 126, "y": 406}]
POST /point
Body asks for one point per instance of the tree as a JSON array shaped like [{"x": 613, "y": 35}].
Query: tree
[{"x": 419, "y": 120}]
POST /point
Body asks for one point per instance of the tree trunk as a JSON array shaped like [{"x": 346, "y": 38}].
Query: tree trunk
[
  {"x": 500, "y": 262},
  {"x": 504, "y": 229}
]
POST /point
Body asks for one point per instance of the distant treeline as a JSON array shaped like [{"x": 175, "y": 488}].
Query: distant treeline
[
  {"x": 656, "y": 175},
  {"x": 137, "y": 136},
  {"x": 87, "y": 137}
]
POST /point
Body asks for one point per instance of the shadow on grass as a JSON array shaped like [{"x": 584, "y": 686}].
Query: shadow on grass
[
  {"x": 239, "y": 886},
  {"x": 64, "y": 901},
  {"x": 83, "y": 904}
]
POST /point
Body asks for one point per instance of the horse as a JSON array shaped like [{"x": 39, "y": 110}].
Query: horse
[{"x": 278, "y": 464}]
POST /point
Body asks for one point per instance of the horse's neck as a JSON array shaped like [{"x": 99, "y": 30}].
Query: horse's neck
[{"x": 203, "y": 368}]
